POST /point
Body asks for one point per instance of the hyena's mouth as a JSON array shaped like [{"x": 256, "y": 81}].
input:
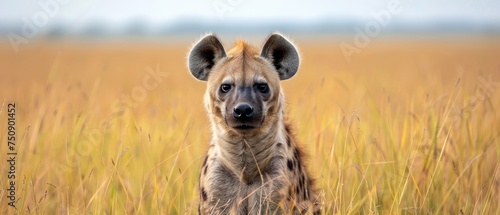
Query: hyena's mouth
[{"x": 244, "y": 127}]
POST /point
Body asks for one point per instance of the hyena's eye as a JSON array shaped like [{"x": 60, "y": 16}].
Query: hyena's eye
[
  {"x": 263, "y": 88},
  {"x": 225, "y": 88}
]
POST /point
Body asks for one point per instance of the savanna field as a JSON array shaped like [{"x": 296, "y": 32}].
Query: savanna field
[{"x": 405, "y": 127}]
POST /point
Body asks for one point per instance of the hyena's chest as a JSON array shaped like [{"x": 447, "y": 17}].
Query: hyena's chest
[{"x": 226, "y": 190}]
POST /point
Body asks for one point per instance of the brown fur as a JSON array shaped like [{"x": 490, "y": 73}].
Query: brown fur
[{"x": 260, "y": 170}]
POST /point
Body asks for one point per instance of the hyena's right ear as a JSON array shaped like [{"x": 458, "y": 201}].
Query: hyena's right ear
[{"x": 204, "y": 55}]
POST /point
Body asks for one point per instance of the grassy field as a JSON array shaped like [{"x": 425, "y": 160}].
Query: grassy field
[{"x": 404, "y": 128}]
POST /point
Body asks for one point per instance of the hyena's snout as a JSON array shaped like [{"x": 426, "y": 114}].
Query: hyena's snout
[
  {"x": 244, "y": 110},
  {"x": 244, "y": 116}
]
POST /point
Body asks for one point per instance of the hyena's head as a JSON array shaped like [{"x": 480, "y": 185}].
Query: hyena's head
[{"x": 244, "y": 96}]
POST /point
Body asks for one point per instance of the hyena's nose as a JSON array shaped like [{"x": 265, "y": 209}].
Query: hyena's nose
[{"x": 242, "y": 111}]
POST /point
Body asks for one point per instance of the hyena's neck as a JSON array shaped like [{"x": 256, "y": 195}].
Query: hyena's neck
[{"x": 249, "y": 158}]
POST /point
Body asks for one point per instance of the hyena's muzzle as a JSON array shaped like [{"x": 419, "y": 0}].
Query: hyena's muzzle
[{"x": 245, "y": 105}]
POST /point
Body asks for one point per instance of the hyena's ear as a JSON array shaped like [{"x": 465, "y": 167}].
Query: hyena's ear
[
  {"x": 282, "y": 54},
  {"x": 204, "y": 55}
]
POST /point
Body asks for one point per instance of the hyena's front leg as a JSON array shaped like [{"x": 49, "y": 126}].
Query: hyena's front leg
[
  {"x": 219, "y": 189},
  {"x": 267, "y": 197}
]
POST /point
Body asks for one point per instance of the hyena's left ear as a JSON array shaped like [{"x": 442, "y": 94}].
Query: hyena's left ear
[
  {"x": 204, "y": 55},
  {"x": 282, "y": 54}
]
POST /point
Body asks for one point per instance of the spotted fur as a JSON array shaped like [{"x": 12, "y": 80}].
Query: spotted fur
[{"x": 253, "y": 165}]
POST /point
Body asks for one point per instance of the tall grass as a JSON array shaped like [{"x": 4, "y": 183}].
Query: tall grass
[{"x": 404, "y": 128}]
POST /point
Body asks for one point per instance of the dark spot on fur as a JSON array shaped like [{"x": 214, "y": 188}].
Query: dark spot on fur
[
  {"x": 296, "y": 154},
  {"x": 203, "y": 194},
  {"x": 299, "y": 166},
  {"x": 296, "y": 190},
  {"x": 205, "y": 161},
  {"x": 289, "y": 194},
  {"x": 279, "y": 144},
  {"x": 289, "y": 163},
  {"x": 301, "y": 182},
  {"x": 288, "y": 133},
  {"x": 205, "y": 165},
  {"x": 305, "y": 193},
  {"x": 287, "y": 128},
  {"x": 317, "y": 213}
]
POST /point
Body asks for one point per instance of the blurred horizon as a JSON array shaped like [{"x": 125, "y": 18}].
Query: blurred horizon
[{"x": 74, "y": 18}]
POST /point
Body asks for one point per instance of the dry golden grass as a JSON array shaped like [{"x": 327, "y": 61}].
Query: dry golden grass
[{"x": 405, "y": 128}]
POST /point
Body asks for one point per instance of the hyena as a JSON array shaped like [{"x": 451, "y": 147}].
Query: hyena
[{"x": 254, "y": 164}]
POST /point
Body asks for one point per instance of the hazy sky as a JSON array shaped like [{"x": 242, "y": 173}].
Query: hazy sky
[{"x": 157, "y": 11}]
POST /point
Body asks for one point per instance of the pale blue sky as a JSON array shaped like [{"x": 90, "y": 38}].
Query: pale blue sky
[{"x": 119, "y": 12}]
